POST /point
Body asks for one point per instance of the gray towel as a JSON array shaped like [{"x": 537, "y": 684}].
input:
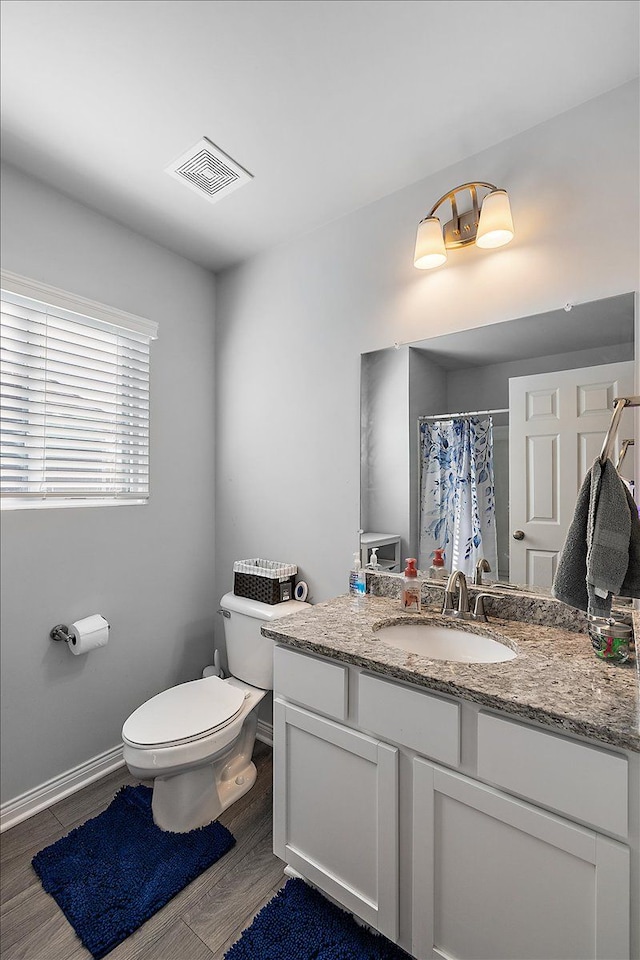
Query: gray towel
[
  {"x": 570, "y": 583},
  {"x": 631, "y": 584},
  {"x": 601, "y": 555}
]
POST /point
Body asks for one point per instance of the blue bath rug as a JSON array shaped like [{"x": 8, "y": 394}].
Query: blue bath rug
[
  {"x": 115, "y": 871},
  {"x": 299, "y": 924}
]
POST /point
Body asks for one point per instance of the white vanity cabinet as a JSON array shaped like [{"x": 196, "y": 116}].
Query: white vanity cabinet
[
  {"x": 455, "y": 831},
  {"x": 336, "y": 817},
  {"x": 498, "y": 879},
  {"x": 335, "y": 791}
]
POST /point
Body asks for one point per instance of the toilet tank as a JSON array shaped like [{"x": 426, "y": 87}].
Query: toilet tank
[{"x": 249, "y": 654}]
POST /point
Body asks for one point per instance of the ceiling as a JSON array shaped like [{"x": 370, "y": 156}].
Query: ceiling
[{"x": 330, "y": 104}]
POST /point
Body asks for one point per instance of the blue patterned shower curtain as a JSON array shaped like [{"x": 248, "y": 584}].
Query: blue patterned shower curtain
[{"x": 457, "y": 496}]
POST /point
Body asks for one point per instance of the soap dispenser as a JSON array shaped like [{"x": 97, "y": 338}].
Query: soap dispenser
[
  {"x": 373, "y": 564},
  {"x": 437, "y": 570},
  {"x": 357, "y": 578},
  {"x": 411, "y": 587}
]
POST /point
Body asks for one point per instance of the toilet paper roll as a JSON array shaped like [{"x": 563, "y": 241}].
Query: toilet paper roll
[
  {"x": 301, "y": 591},
  {"x": 88, "y": 634}
]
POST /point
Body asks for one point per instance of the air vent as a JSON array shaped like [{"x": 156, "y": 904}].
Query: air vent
[{"x": 209, "y": 171}]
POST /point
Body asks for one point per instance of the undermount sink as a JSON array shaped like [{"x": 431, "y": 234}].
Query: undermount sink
[{"x": 444, "y": 643}]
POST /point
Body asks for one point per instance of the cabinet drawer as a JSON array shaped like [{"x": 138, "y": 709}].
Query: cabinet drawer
[
  {"x": 584, "y": 782},
  {"x": 311, "y": 682},
  {"x": 412, "y": 718}
]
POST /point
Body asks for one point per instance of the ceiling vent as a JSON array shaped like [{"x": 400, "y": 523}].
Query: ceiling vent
[{"x": 209, "y": 171}]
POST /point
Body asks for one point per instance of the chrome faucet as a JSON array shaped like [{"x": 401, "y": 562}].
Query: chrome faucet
[
  {"x": 482, "y": 566},
  {"x": 458, "y": 582}
]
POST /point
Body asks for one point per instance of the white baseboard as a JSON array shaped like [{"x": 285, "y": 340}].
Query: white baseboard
[
  {"x": 33, "y": 801},
  {"x": 39, "y": 798},
  {"x": 265, "y": 732}
]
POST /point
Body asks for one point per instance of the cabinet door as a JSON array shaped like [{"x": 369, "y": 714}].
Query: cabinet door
[
  {"x": 497, "y": 879},
  {"x": 336, "y": 812}
]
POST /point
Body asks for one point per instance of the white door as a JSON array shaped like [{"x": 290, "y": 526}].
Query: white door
[
  {"x": 495, "y": 878},
  {"x": 557, "y": 424},
  {"x": 336, "y": 812}
]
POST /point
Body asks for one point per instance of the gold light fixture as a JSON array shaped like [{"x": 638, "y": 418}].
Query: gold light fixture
[{"x": 488, "y": 224}]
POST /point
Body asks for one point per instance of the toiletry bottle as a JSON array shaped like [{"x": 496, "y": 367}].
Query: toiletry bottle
[
  {"x": 411, "y": 587},
  {"x": 357, "y": 578},
  {"x": 373, "y": 564},
  {"x": 437, "y": 570}
]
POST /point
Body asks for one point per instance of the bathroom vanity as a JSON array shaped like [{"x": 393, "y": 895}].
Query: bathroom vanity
[{"x": 467, "y": 810}]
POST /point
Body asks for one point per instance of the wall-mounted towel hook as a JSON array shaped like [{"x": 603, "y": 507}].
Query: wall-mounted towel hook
[{"x": 619, "y": 405}]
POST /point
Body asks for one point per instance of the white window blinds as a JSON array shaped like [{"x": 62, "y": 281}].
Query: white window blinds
[{"x": 75, "y": 399}]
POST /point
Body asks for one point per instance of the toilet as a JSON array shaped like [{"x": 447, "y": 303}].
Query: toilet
[{"x": 196, "y": 740}]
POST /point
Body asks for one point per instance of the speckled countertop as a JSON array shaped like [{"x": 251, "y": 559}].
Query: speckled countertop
[{"x": 555, "y": 679}]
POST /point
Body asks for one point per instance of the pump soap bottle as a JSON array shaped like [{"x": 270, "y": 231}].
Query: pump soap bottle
[
  {"x": 437, "y": 570},
  {"x": 357, "y": 578},
  {"x": 411, "y": 587}
]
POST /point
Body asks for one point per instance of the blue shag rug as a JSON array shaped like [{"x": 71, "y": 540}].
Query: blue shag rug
[
  {"x": 299, "y": 924},
  {"x": 115, "y": 871}
]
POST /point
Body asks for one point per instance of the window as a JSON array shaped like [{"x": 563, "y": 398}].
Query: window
[{"x": 75, "y": 399}]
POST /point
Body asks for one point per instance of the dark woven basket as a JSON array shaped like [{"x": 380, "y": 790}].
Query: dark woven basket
[{"x": 265, "y": 589}]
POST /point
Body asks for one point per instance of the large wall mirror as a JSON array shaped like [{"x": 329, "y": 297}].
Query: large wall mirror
[{"x": 477, "y": 442}]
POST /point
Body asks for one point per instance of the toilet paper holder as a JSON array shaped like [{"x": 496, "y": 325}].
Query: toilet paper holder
[{"x": 61, "y": 632}]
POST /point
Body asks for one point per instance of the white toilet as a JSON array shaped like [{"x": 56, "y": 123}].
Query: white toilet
[{"x": 196, "y": 740}]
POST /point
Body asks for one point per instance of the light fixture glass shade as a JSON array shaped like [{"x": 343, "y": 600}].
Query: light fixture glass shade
[
  {"x": 430, "y": 248},
  {"x": 496, "y": 224}
]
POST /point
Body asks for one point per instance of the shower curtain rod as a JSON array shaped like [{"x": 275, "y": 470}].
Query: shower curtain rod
[{"x": 461, "y": 416}]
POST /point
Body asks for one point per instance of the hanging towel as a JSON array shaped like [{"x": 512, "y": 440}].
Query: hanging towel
[
  {"x": 631, "y": 584},
  {"x": 601, "y": 556},
  {"x": 570, "y": 581},
  {"x": 608, "y": 538}
]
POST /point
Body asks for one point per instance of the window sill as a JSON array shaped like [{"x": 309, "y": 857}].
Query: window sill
[{"x": 65, "y": 504}]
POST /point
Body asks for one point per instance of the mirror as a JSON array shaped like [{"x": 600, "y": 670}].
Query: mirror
[{"x": 537, "y": 393}]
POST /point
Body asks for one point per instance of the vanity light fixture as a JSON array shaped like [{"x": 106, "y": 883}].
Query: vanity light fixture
[{"x": 488, "y": 223}]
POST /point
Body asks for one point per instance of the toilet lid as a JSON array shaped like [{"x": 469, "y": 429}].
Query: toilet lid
[{"x": 185, "y": 712}]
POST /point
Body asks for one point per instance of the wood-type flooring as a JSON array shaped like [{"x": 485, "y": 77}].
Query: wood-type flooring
[{"x": 200, "y": 923}]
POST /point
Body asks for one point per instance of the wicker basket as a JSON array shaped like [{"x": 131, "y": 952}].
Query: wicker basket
[{"x": 267, "y": 581}]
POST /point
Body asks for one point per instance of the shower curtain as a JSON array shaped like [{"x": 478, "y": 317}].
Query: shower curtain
[{"x": 457, "y": 495}]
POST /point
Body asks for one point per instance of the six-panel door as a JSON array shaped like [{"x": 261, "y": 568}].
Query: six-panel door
[{"x": 557, "y": 422}]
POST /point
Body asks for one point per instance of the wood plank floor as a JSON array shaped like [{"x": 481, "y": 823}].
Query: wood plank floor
[{"x": 200, "y": 923}]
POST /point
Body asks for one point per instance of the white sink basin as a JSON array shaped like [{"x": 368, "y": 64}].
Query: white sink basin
[{"x": 444, "y": 643}]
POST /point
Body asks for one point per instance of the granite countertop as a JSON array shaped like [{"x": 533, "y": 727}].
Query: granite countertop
[{"x": 555, "y": 680}]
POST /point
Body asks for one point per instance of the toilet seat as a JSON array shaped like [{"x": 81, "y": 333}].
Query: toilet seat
[{"x": 184, "y": 714}]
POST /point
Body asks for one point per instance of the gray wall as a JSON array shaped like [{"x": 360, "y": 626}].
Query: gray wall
[
  {"x": 293, "y": 322},
  {"x": 148, "y": 569},
  {"x": 385, "y": 437},
  {"x": 427, "y": 394},
  {"x": 486, "y": 388}
]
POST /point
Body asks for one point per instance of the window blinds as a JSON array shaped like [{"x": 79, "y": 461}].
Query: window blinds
[{"x": 75, "y": 402}]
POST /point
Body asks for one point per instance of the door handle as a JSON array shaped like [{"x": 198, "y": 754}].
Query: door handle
[{"x": 518, "y": 534}]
